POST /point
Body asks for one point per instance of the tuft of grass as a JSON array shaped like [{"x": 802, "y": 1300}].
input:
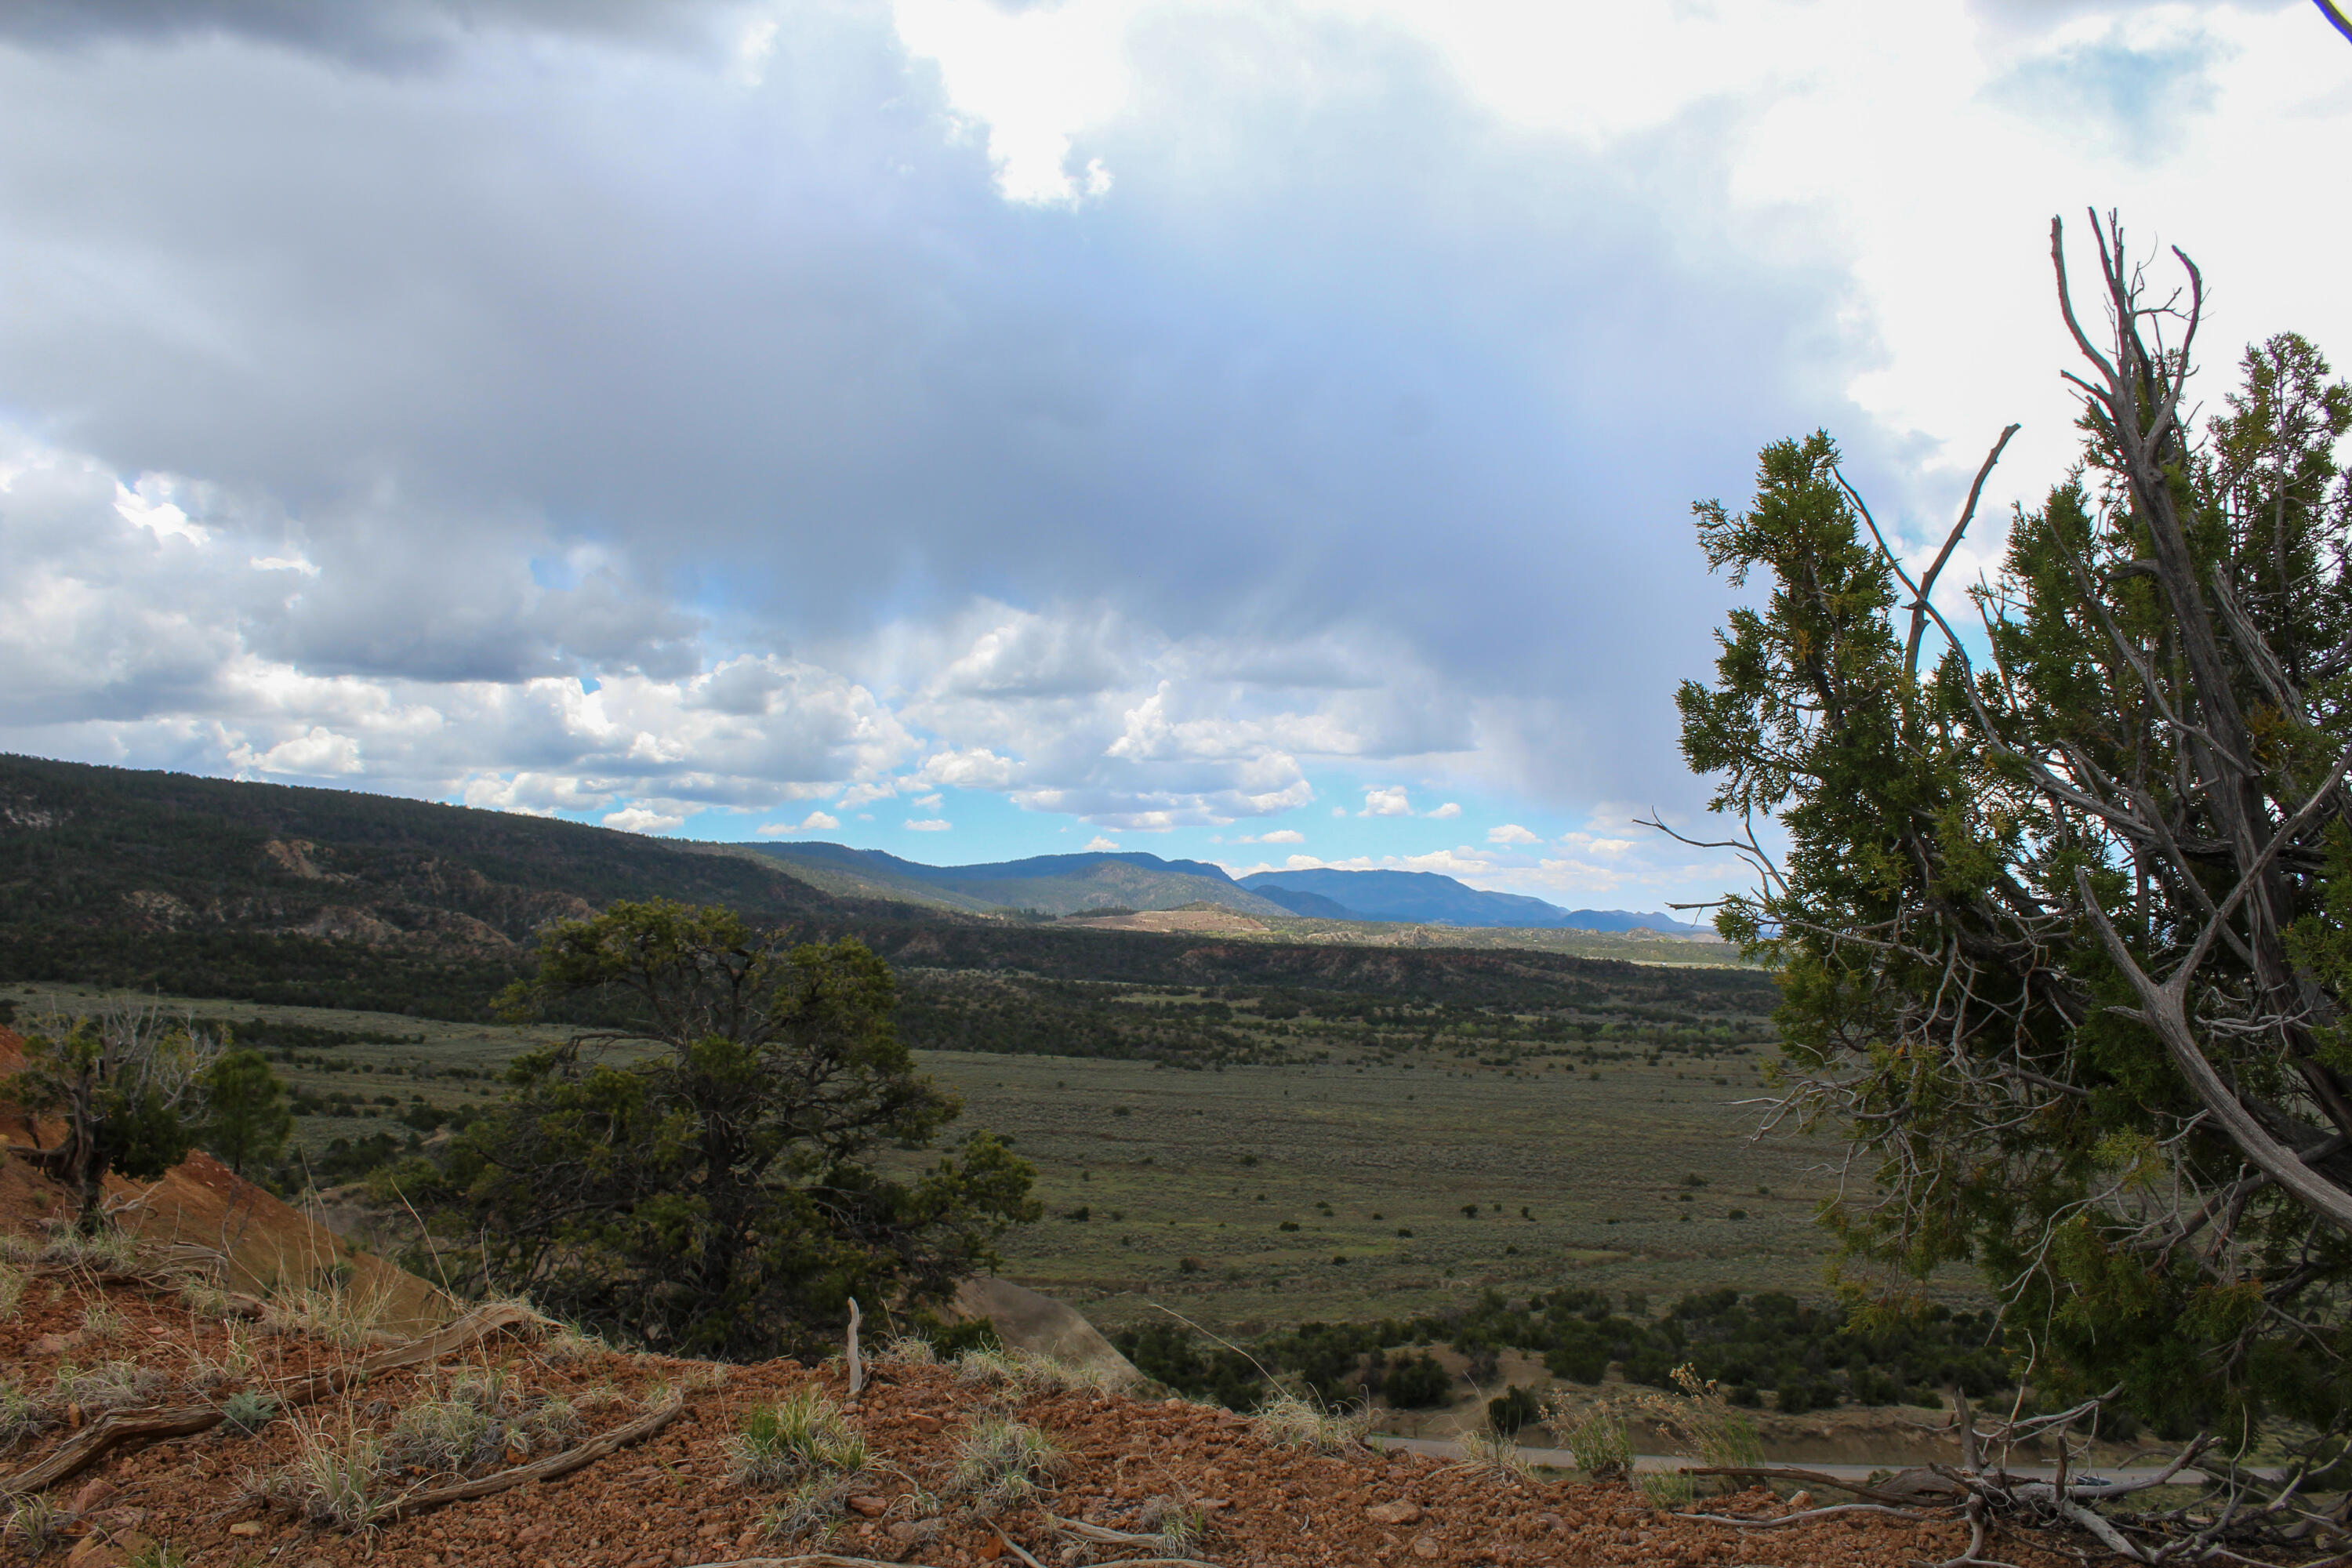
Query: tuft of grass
[
  {"x": 907, "y": 1350},
  {"x": 102, "y": 1322},
  {"x": 1595, "y": 1434},
  {"x": 483, "y": 1417},
  {"x": 1001, "y": 1462},
  {"x": 158, "y": 1554},
  {"x": 570, "y": 1342},
  {"x": 18, "y": 1250},
  {"x": 335, "y": 1313},
  {"x": 330, "y": 1484},
  {"x": 204, "y": 1299},
  {"x": 809, "y": 1511},
  {"x": 248, "y": 1411},
  {"x": 1180, "y": 1527},
  {"x": 1495, "y": 1456},
  {"x": 1667, "y": 1490},
  {"x": 1297, "y": 1422},
  {"x": 13, "y": 1281},
  {"x": 21, "y": 1416},
  {"x": 1028, "y": 1371},
  {"x": 803, "y": 1436},
  {"x": 110, "y": 1385},
  {"x": 38, "y": 1524}
]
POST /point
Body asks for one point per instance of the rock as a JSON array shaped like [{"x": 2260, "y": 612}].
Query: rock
[
  {"x": 536, "y": 1533},
  {"x": 871, "y": 1507},
  {"x": 245, "y": 1527},
  {"x": 922, "y": 1423},
  {"x": 55, "y": 1344},
  {"x": 1802, "y": 1501},
  {"x": 94, "y": 1491},
  {"x": 1404, "y": 1510},
  {"x": 908, "y": 1532},
  {"x": 1552, "y": 1521},
  {"x": 1426, "y": 1546}
]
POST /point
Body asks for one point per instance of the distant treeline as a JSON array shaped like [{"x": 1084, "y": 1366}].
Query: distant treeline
[{"x": 1766, "y": 1348}]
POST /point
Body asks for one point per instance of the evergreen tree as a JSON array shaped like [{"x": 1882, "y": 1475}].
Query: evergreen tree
[
  {"x": 701, "y": 1177},
  {"x": 2064, "y": 920},
  {"x": 246, "y": 1119}
]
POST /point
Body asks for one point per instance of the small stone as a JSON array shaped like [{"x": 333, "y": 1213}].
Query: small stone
[
  {"x": 1552, "y": 1521},
  {"x": 1801, "y": 1500},
  {"x": 536, "y": 1533},
  {"x": 1426, "y": 1546},
  {"x": 55, "y": 1344},
  {"x": 711, "y": 1532},
  {"x": 94, "y": 1491},
  {"x": 923, "y": 1423},
  {"x": 906, "y": 1532},
  {"x": 1404, "y": 1510},
  {"x": 245, "y": 1527},
  {"x": 871, "y": 1507}
]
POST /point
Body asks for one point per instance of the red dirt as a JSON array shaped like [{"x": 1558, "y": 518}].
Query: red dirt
[{"x": 668, "y": 1502}]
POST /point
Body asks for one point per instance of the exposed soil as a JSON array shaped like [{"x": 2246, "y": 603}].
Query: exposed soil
[{"x": 670, "y": 1500}]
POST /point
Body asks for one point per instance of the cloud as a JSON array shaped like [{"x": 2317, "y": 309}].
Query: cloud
[
  {"x": 638, "y": 819},
  {"x": 1450, "y": 810},
  {"x": 1102, "y": 842},
  {"x": 1283, "y": 836},
  {"x": 1226, "y": 336},
  {"x": 815, "y": 822},
  {"x": 1388, "y": 801},
  {"x": 1511, "y": 833},
  {"x": 928, "y": 825}
]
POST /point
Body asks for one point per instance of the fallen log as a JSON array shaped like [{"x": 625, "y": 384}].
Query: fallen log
[{"x": 546, "y": 1469}]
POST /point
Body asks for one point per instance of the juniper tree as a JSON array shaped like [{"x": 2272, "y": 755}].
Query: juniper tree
[
  {"x": 705, "y": 1176},
  {"x": 2060, "y": 901},
  {"x": 125, "y": 1083}
]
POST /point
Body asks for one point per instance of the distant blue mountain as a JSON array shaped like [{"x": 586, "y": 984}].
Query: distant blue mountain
[{"x": 1429, "y": 898}]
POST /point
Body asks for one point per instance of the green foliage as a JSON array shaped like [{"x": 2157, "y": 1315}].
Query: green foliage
[
  {"x": 1416, "y": 1383},
  {"x": 711, "y": 1193},
  {"x": 2062, "y": 938},
  {"x": 124, "y": 1082},
  {"x": 245, "y": 1121},
  {"x": 1513, "y": 1409}
]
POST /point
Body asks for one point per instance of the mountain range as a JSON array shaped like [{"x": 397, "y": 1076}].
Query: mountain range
[{"x": 1076, "y": 884}]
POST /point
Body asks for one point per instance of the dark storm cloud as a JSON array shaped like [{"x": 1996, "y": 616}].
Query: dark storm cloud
[{"x": 397, "y": 35}]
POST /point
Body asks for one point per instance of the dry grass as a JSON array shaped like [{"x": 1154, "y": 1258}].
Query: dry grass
[
  {"x": 336, "y": 1313},
  {"x": 1027, "y": 1372},
  {"x": 110, "y": 1385},
  {"x": 1001, "y": 1463},
  {"x": 333, "y": 1483},
  {"x": 13, "y": 1281},
  {"x": 1297, "y": 1422},
  {"x": 1595, "y": 1434}
]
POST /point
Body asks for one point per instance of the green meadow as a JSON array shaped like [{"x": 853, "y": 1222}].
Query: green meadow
[{"x": 1254, "y": 1196}]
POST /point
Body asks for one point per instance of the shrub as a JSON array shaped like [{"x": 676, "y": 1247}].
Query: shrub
[
  {"x": 1417, "y": 1383},
  {"x": 1513, "y": 1409},
  {"x": 248, "y": 1411}
]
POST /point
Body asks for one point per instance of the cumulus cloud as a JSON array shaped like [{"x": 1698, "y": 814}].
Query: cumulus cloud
[
  {"x": 613, "y": 406},
  {"x": 1449, "y": 810},
  {"x": 640, "y": 819},
  {"x": 1385, "y": 801},
  {"x": 1103, "y": 842},
  {"x": 814, "y": 822},
  {"x": 1511, "y": 833},
  {"x": 928, "y": 825}
]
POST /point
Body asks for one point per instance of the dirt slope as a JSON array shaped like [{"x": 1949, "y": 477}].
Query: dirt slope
[
  {"x": 672, "y": 1498},
  {"x": 200, "y": 1201}
]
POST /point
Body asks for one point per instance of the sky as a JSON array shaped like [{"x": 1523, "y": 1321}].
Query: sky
[{"x": 1264, "y": 433}]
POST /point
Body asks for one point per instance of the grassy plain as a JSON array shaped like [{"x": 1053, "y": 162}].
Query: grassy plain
[{"x": 1580, "y": 1174}]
